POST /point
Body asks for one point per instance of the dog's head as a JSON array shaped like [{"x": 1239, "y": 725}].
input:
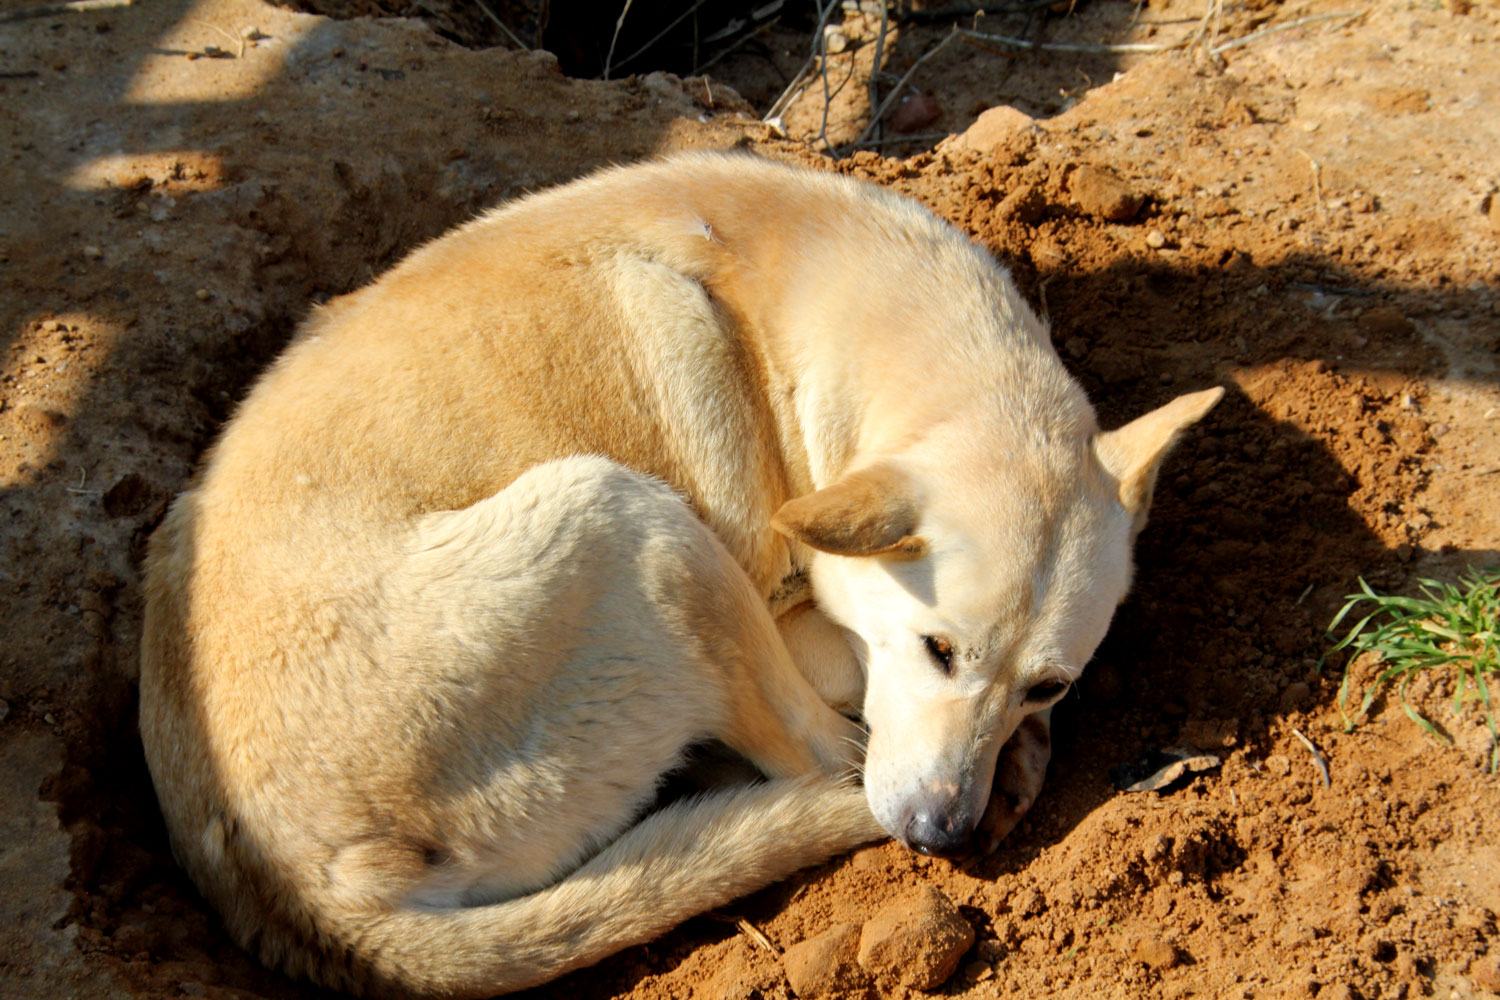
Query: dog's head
[{"x": 975, "y": 573}]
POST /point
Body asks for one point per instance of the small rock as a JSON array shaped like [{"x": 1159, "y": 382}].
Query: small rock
[
  {"x": 92, "y": 252},
  {"x": 1156, "y": 953},
  {"x": 994, "y": 127},
  {"x": 1156, "y": 239},
  {"x": 1295, "y": 696},
  {"x": 917, "y": 941},
  {"x": 202, "y": 294},
  {"x": 834, "y": 39},
  {"x": 915, "y": 112},
  {"x": 828, "y": 963},
  {"x": 1102, "y": 194},
  {"x": 1385, "y": 321},
  {"x": 1486, "y": 973}
]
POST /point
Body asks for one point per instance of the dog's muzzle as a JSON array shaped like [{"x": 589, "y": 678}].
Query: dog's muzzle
[{"x": 940, "y": 825}]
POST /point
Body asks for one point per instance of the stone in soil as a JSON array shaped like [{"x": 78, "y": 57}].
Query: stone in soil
[
  {"x": 916, "y": 112},
  {"x": 828, "y": 963},
  {"x": 994, "y": 127},
  {"x": 916, "y": 941},
  {"x": 1102, "y": 194}
]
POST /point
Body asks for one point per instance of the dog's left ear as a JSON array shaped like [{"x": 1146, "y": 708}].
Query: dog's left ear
[
  {"x": 870, "y": 512},
  {"x": 1133, "y": 454}
]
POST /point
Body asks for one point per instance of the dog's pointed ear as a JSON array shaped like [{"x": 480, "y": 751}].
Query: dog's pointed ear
[
  {"x": 1133, "y": 454},
  {"x": 870, "y": 512}
]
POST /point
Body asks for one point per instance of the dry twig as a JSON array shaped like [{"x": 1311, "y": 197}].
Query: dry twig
[
  {"x": 875, "y": 66},
  {"x": 75, "y": 7},
  {"x": 901, "y": 84},
  {"x": 484, "y": 6},
  {"x": 1255, "y": 36},
  {"x": 799, "y": 82},
  {"x": 609, "y": 57},
  {"x": 1318, "y": 758},
  {"x": 754, "y": 934},
  {"x": 1317, "y": 172}
]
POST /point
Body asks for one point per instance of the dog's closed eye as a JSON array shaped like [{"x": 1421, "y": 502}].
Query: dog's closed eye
[
  {"x": 941, "y": 651},
  {"x": 1040, "y": 694}
]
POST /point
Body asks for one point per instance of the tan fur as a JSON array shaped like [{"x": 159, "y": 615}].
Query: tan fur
[
  {"x": 869, "y": 512},
  {"x": 492, "y": 543}
]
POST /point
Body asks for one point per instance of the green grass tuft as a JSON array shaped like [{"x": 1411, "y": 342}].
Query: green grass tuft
[{"x": 1446, "y": 628}]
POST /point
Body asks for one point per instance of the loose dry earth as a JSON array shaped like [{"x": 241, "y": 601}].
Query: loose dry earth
[{"x": 1310, "y": 219}]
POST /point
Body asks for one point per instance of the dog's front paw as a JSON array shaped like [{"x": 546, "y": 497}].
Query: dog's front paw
[
  {"x": 1019, "y": 774},
  {"x": 840, "y": 748}
]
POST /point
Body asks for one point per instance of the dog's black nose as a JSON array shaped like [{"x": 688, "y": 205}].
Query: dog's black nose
[{"x": 937, "y": 835}]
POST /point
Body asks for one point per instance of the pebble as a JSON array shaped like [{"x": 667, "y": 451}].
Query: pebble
[
  {"x": 1104, "y": 195},
  {"x": 826, "y": 964},
  {"x": 1295, "y": 696},
  {"x": 834, "y": 39},
  {"x": 92, "y": 252},
  {"x": 994, "y": 127},
  {"x": 1156, "y": 953},
  {"x": 1156, "y": 239},
  {"x": 916, "y": 112},
  {"x": 202, "y": 294},
  {"x": 917, "y": 940},
  {"x": 1385, "y": 321}
]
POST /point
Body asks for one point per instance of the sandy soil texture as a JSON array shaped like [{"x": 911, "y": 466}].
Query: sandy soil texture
[{"x": 1311, "y": 219}]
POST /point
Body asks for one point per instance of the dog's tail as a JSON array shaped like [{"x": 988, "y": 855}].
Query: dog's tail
[{"x": 688, "y": 858}]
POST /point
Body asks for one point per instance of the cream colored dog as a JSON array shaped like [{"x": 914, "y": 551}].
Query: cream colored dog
[{"x": 501, "y": 535}]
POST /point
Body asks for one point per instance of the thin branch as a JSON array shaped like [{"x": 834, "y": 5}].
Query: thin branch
[
  {"x": 662, "y": 34},
  {"x": 1256, "y": 36},
  {"x": 75, "y": 7},
  {"x": 1318, "y": 758},
  {"x": 1021, "y": 43},
  {"x": 619, "y": 24},
  {"x": 875, "y": 66},
  {"x": 893, "y": 140},
  {"x": 901, "y": 85},
  {"x": 733, "y": 47},
  {"x": 799, "y": 82},
  {"x": 484, "y": 6}
]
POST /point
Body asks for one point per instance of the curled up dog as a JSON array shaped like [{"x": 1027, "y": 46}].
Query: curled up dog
[{"x": 700, "y": 449}]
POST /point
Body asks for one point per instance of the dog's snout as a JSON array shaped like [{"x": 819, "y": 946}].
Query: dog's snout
[{"x": 938, "y": 833}]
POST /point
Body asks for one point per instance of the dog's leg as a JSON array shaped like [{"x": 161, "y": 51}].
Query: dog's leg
[
  {"x": 776, "y": 698},
  {"x": 823, "y": 655},
  {"x": 1018, "y": 778},
  {"x": 583, "y": 627}
]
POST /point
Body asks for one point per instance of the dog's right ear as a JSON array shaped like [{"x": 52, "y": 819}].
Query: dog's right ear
[
  {"x": 1134, "y": 453},
  {"x": 870, "y": 512}
]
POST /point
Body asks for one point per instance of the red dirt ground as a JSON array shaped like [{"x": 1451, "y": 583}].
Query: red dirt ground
[{"x": 1326, "y": 206}]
